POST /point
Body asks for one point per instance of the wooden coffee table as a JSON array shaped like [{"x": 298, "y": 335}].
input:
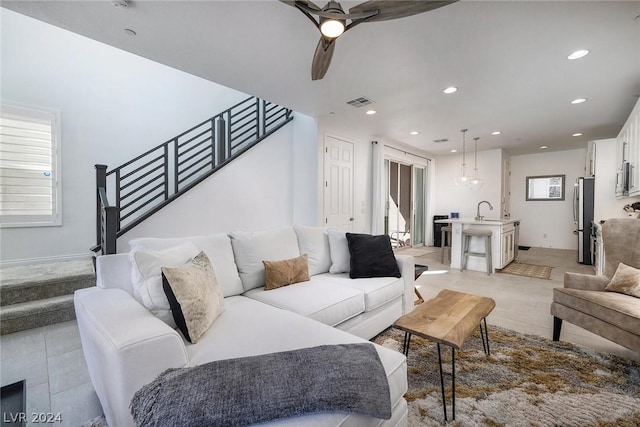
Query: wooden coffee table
[{"x": 449, "y": 319}]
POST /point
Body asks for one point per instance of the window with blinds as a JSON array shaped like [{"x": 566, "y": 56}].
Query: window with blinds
[{"x": 29, "y": 182}]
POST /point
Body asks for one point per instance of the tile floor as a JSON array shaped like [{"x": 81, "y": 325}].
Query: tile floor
[
  {"x": 51, "y": 359},
  {"x": 57, "y": 380}
]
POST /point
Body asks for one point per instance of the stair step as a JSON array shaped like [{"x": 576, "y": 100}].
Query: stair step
[
  {"x": 22, "y": 284},
  {"x": 34, "y": 314}
]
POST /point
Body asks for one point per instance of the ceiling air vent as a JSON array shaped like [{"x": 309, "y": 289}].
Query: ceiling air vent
[
  {"x": 439, "y": 141},
  {"x": 360, "y": 102}
]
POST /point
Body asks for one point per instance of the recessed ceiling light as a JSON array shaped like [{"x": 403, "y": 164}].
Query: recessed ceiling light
[
  {"x": 371, "y": 112},
  {"x": 577, "y": 134},
  {"x": 450, "y": 89},
  {"x": 454, "y": 151},
  {"x": 129, "y": 32},
  {"x": 578, "y": 54},
  {"x": 579, "y": 100},
  {"x": 543, "y": 147},
  {"x": 496, "y": 133},
  {"x": 414, "y": 132}
]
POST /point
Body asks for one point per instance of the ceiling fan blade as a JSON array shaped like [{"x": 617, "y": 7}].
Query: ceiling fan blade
[
  {"x": 306, "y": 3},
  {"x": 322, "y": 58},
  {"x": 389, "y": 9}
]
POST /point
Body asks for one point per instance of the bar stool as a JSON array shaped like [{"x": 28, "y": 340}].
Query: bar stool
[
  {"x": 467, "y": 234},
  {"x": 445, "y": 242}
]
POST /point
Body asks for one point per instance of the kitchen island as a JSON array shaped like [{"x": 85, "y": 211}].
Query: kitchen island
[{"x": 504, "y": 242}]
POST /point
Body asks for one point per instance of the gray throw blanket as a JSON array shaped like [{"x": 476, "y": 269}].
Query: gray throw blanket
[{"x": 347, "y": 378}]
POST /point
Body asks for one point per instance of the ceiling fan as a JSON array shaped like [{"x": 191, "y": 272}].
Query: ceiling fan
[{"x": 332, "y": 21}]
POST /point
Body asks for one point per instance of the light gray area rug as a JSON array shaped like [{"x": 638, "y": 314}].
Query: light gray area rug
[{"x": 526, "y": 381}]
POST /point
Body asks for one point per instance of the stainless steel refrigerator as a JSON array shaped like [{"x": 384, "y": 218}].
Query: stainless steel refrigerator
[{"x": 583, "y": 216}]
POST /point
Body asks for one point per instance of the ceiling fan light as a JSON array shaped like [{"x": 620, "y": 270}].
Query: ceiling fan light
[{"x": 331, "y": 28}]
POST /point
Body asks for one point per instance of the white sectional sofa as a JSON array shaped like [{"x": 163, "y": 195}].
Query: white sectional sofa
[{"x": 127, "y": 346}]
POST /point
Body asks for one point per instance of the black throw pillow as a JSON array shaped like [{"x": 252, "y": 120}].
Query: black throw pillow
[{"x": 371, "y": 256}]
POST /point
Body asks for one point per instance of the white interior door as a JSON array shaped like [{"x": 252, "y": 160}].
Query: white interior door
[{"x": 338, "y": 183}]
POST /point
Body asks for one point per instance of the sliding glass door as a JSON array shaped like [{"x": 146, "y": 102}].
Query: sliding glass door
[{"x": 405, "y": 207}]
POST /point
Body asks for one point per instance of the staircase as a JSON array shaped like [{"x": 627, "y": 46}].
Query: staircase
[
  {"x": 142, "y": 186},
  {"x": 38, "y": 295}
]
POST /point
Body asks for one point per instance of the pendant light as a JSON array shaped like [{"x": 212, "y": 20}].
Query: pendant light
[
  {"x": 462, "y": 178},
  {"x": 475, "y": 182}
]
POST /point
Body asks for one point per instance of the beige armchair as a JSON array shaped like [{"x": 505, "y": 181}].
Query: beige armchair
[{"x": 583, "y": 300}]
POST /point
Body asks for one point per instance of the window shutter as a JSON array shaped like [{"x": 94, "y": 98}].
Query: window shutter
[{"x": 28, "y": 172}]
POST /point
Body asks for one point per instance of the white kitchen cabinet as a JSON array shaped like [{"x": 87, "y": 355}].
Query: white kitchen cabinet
[
  {"x": 628, "y": 156},
  {"x": 508, "y": 249}
]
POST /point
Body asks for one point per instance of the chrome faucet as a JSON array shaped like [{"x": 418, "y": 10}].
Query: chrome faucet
[{"x": 478, "y": 217}]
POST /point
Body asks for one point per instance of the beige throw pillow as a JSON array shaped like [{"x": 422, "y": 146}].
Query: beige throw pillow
[
  {"x": 286, "y": 272},
  {"x": 194, "y": 296},
  {"x": 626, "y": 280}
]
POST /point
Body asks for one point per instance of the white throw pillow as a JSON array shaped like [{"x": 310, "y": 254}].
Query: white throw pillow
[
  {"x": 147, "y": 276},
  {"x": 218, "y": 249},
  {"x": 314, "y": 242},
  {"x": 251, "y": 248},
  {"x": 339, "y": 248},
  {"x": 194, "y": 296}
]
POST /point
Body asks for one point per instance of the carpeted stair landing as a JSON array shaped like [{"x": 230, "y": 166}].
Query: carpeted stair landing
[{"x": 38, "y": 295}]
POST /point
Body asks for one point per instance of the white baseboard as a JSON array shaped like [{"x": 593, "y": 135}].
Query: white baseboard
[{"x": 46, "y": 260}]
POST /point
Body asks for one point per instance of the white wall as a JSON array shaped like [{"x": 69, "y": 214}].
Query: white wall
[
  {"x": 258, "y": 191},
  {"x": 115, "y": 105},
  {"x": 606, "y": 204},
  {"x": 452, "y": 198},
  {"x": 305, "y": 170},
  {"x": 546, "y": 224}
]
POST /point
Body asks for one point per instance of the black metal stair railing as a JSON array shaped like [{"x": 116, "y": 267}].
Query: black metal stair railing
[{"x": 152, "y": 180}]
